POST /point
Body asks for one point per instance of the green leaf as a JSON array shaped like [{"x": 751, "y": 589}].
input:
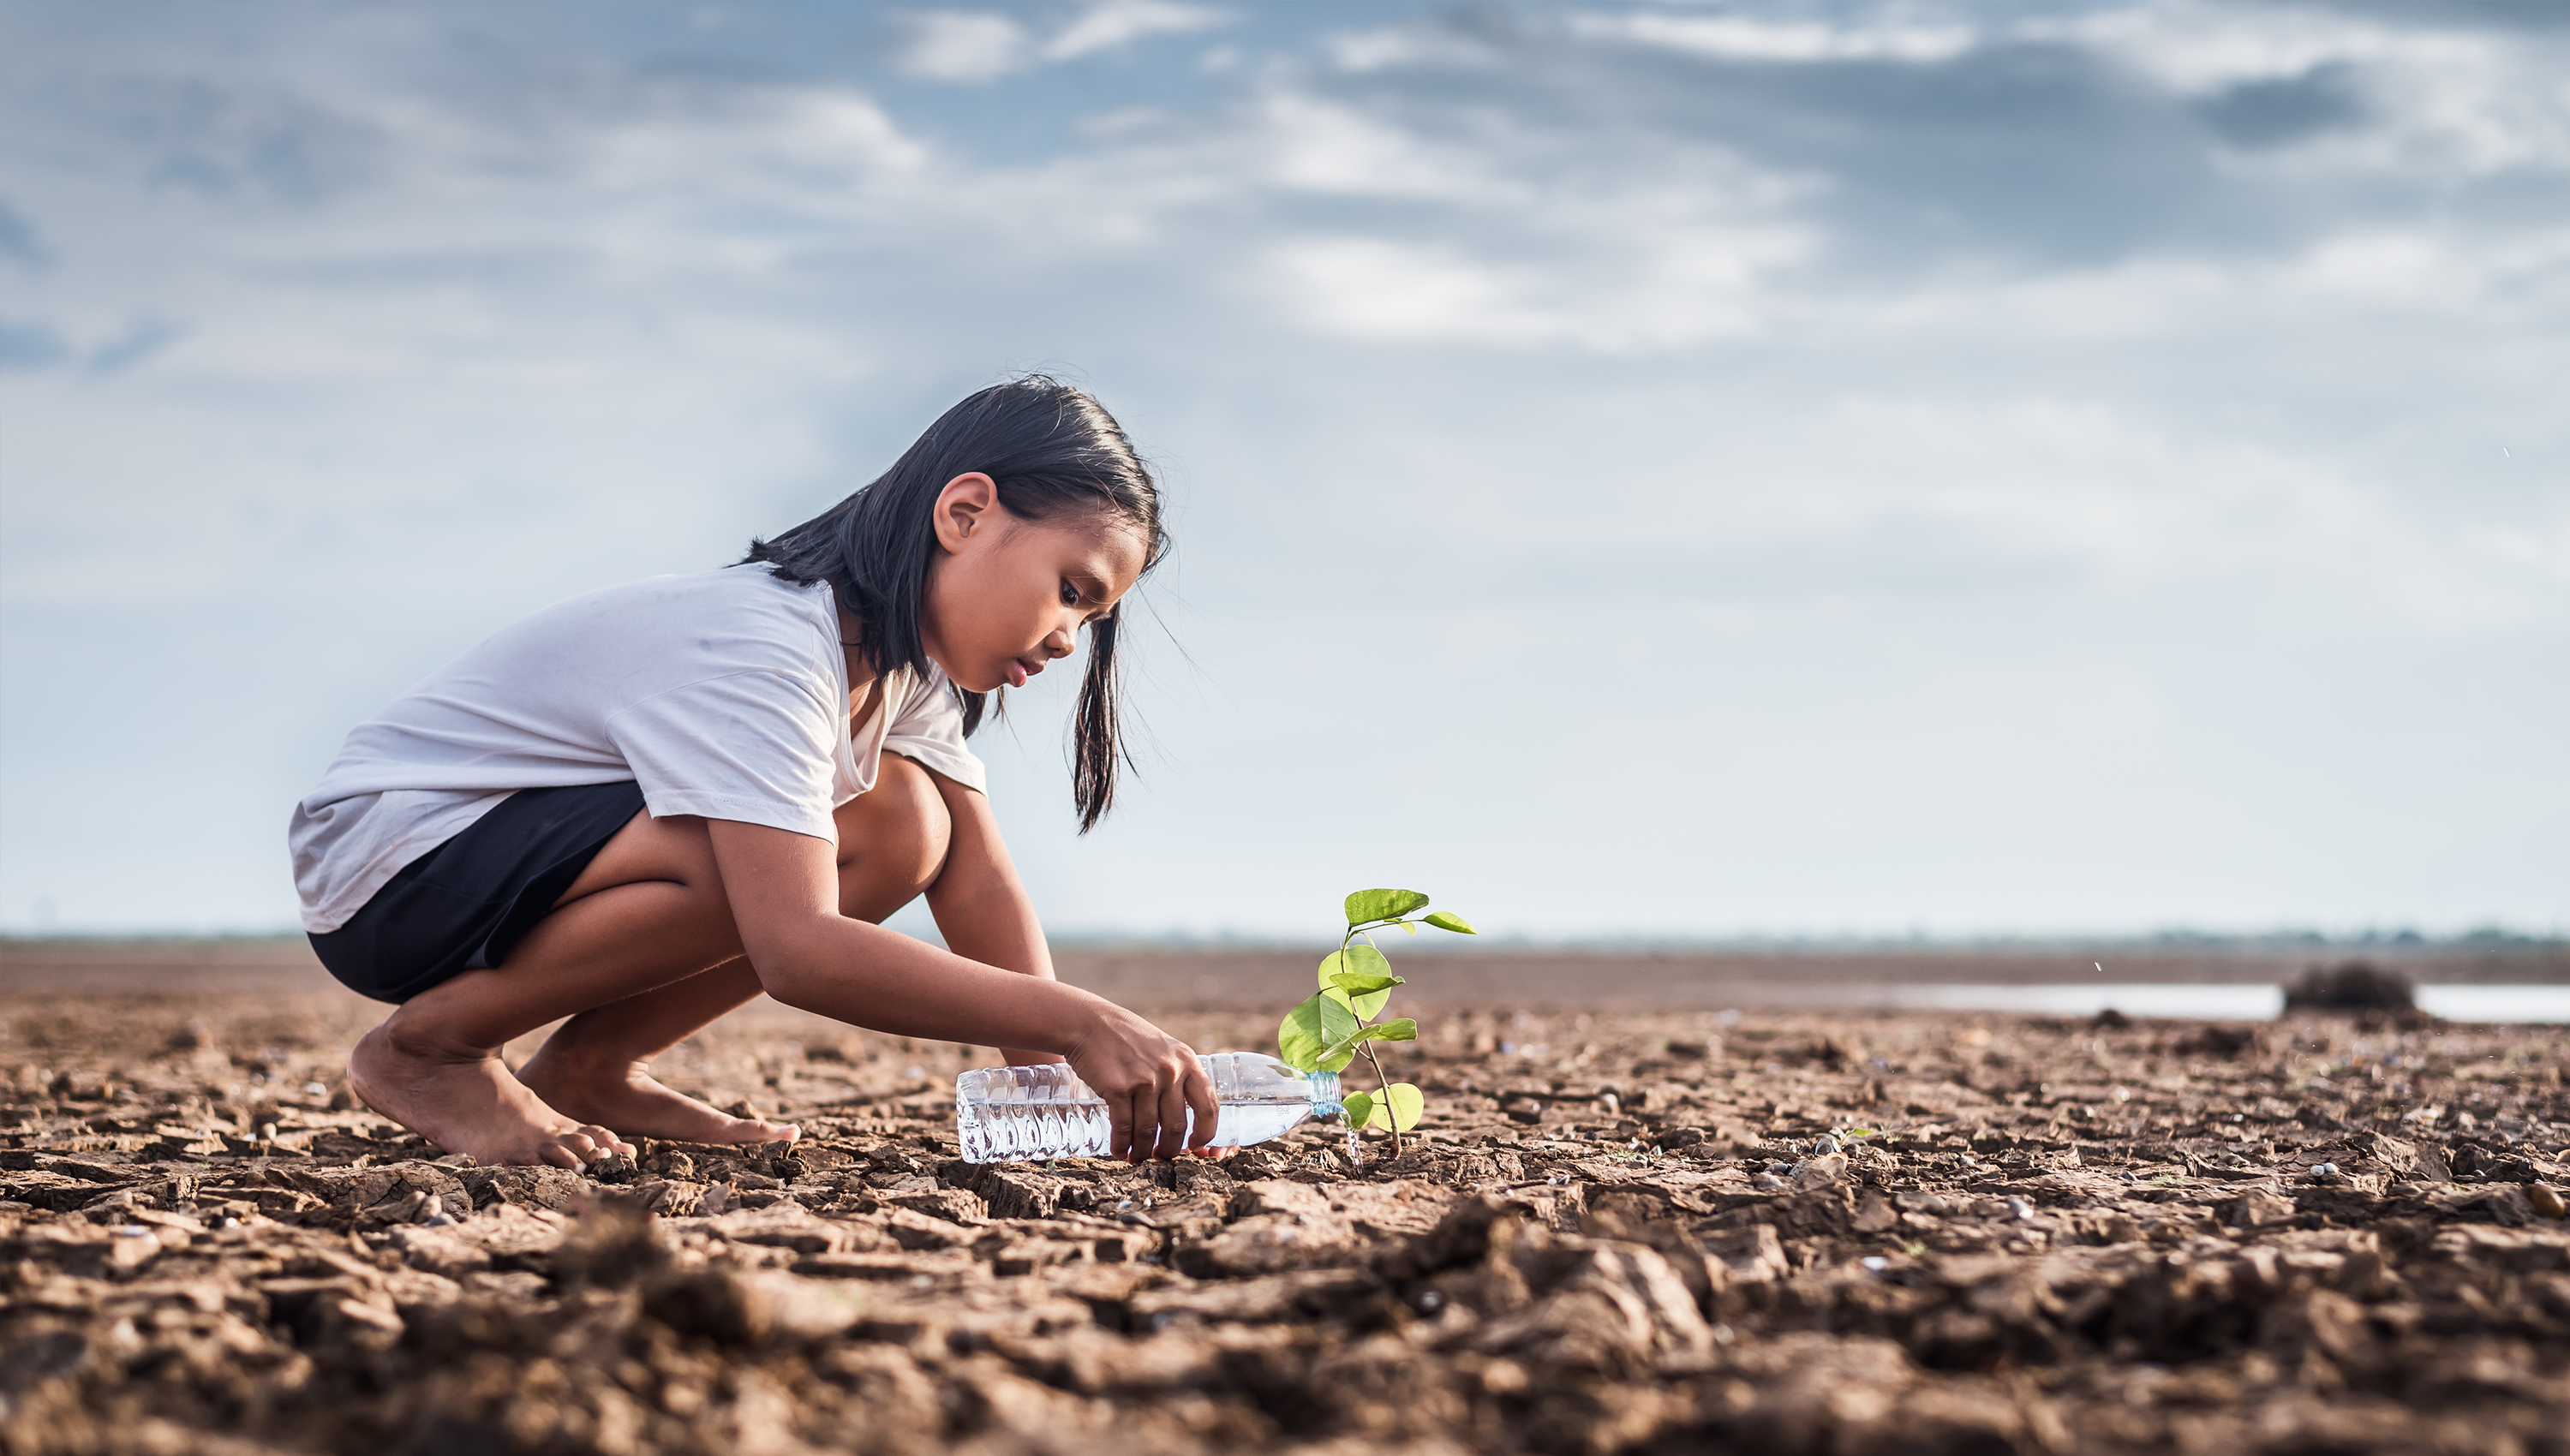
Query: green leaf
[
  {"x": 1365, "y": 907},
  {"x": 1385, "y": 1109},
  {"x": 1345, "y": 1049},
  {"x": 1404, "y": 1103},
  {"x": 1360, "y": 962},
  {"x": 1360, "y": 1108},
  {"x": 1408, "y": 928},
  {"x": 1445, "y": 920},
  {"x": 1307, "y": 1038}
]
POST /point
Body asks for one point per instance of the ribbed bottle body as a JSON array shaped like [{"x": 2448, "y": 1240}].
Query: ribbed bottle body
[{"x": 1022, "y": 1114}]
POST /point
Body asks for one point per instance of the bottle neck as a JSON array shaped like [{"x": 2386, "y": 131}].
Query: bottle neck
[{"x": 1325, "y": 1093}]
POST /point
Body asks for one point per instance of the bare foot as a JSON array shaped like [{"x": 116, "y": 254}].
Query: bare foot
[
  {"x": 625, "y": 1097},
  {"x": 465, "y": 1101}
]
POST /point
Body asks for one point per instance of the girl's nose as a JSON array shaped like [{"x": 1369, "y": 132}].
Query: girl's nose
[{"x": 1058, "y": 643}]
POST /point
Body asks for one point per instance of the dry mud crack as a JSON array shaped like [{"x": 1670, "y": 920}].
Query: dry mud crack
[{"x": 1620, "y": 1235}]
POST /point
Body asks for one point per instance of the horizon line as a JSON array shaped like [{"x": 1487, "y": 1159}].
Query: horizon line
[{"x": 2399, "y": 938}]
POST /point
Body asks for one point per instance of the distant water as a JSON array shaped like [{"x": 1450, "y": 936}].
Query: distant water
[{"x": 2210, "y": 1003}]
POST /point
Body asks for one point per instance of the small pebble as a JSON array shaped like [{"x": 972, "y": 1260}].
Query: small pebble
[
  {"x": 1823, "y": 1145},
  {"x": 1767, "y": 1181},
  {"x": 2020, "y": 1209},
  {"x": 1875, "y": 1261}
]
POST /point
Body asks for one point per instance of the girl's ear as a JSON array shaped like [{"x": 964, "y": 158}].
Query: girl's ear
[{"x": 966, "y": 508}]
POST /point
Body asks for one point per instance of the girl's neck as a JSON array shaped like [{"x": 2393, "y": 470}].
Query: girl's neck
[{"x": 861, "y": 672}]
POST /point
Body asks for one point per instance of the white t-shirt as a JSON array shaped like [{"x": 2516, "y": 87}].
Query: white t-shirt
[{"x": 723, "y": 694}]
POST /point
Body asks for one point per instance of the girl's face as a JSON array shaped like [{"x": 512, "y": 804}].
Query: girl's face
[{"x": 1007, "y": 594}]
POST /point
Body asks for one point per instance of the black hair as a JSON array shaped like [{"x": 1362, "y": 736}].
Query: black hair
[{"x": 1053, "y": 451}]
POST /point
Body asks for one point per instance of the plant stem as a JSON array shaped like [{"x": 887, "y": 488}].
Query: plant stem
[{"x": 1382, "y": 1084}]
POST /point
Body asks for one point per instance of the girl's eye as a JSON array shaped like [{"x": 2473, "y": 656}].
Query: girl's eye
[{"x": 1069, "y": 594}]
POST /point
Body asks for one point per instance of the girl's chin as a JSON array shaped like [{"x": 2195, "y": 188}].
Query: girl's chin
[{"x": 977, "y": 683}]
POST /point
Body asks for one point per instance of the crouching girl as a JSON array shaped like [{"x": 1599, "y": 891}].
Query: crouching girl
[{"x": 641, "y": 808}]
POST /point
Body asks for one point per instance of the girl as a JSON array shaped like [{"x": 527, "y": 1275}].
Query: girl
[{"x": 641, "y": 808}]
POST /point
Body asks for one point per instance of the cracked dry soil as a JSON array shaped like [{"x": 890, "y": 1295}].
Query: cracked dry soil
[{"x": 1615, "y": 1235}]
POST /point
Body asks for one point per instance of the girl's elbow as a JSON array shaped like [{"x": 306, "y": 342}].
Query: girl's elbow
[{"x": 790, "y": 967}]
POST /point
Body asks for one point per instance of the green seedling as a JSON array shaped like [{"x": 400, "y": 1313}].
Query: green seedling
[{"x": 1338, "y": 1023}]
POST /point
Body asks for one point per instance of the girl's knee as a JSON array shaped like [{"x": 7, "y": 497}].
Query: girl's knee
[{"x": 895, "y": 836}]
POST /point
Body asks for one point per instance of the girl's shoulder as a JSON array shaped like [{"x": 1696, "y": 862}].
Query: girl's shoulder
[
  {"x": 739, "y": 618},
  {"x": 747, "y": 597}
]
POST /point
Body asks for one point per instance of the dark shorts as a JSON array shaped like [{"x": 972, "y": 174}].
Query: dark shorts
[{"x": 464, "y": 905}]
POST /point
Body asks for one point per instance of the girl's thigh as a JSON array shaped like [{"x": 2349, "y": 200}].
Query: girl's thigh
[
  {"x": 647, "y": 851},
  {"x": 892, "y": 843}
]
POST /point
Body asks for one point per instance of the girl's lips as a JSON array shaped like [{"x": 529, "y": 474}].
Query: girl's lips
[{"x": 1020, "y": 669}]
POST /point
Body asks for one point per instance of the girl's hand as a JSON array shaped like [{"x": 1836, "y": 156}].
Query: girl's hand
[{"x": 1149, "y": 1080}]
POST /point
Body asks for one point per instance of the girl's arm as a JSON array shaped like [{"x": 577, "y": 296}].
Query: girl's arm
[
  {"x": 784, "y": 893},
  {"x": 981, "y": 907}
]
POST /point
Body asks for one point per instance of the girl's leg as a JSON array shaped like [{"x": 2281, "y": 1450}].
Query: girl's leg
[
  {"x": 644, "y": 921},
  {"x": 597, "y": 1066},
  {"x": 647, "y": 913}
]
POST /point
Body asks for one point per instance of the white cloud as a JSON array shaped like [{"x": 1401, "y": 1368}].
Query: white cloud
[
  {"x": 968, "y": 46},
  {"x": 1111, "y": 23},
  {"x": 1390, "y": 47},
  {"x": 1323, "y": 146},
  {"x": 979, "y": 46},
  {"x": 1741, "y": 38},
  {"x": 1370, "y": 288},
  {"x": 1672, "y": 289},
  {"x": 2441, "y": 100}
]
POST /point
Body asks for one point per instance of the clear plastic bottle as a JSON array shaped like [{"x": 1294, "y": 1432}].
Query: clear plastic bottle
[{"x": 1021, "y": 1114}]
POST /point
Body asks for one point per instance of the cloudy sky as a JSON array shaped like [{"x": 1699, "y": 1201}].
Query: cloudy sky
[{"x": 1682, "y": 469}]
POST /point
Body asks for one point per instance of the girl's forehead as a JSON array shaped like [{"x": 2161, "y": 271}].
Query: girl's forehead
[{"x": 1110, "y": 546}]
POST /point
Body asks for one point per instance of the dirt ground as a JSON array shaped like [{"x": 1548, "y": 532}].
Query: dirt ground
[{"x": 1624, "y": 1231}]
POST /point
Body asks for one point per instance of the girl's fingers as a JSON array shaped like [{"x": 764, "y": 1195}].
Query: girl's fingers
[
  {"x": 1120, "y": 1126},
  {"x": 1199, "y": 1091},
  {"x": 1173, "y": 1119},
  {"x": 1147, "y": 1123}
]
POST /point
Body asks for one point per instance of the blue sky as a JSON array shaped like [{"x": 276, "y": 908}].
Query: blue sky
[{"x": 1687, "y": 469}]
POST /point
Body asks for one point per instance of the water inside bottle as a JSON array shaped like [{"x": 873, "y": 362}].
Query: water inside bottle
[{"x": 1019, "y": 1114}]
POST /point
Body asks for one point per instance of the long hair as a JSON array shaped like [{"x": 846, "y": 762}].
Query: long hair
[{"x": 1053, "y": 451}]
